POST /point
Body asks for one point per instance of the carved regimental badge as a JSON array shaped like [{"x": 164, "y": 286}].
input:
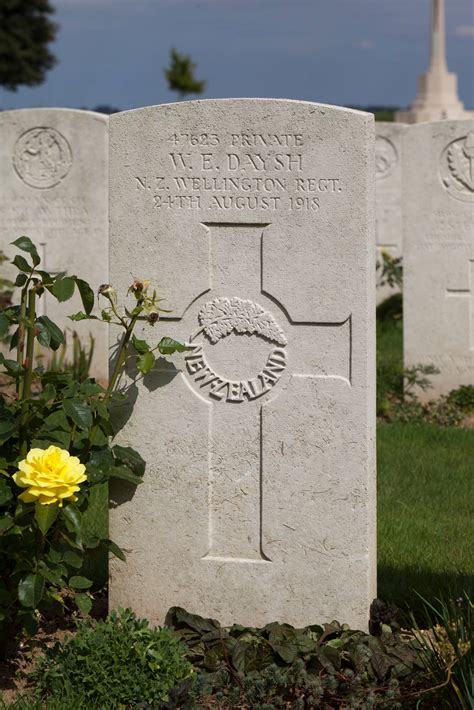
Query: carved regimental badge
[
  {"x": 42, "y": 157},
  {"x": 457, "y": 168},
  {"x": 218, "y": 319},
  {"x": 386, "y": 157}
]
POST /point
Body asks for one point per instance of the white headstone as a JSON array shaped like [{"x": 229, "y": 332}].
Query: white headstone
[
  {"x": 388, "y": 185},
  {"x": 256, "y": 219},
  {"x": 438, "y": 281},
  {"x": 53, "y": 164}
]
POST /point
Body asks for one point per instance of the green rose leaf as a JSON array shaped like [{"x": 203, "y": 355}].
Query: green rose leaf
[
  {"x": 47, "y": 279},
  {"x": 73, "y": 517},
  {"x": 57, "y": 337},
  {"x": 73, "y": 559},
  {"x": 83, "y": 601},
  {"x": 10, "y": 365},
  {"x": 89, "y": 388},
  {"x": 80, "y": 582},
  {"x": 125, "y": 474},
  {"x": 86, "y": 294},
  {"x": 53, "y": 575},
  {"x": 56, "y": 420},
  {"x": 141, "y": 346},
  {"x": 4, "y": 325},
  {"x": 14, "y": 340},
  {"x": 168, "y": 346},
  {"x": 131, "y": 458},
  {"x": 21, "y": 280},
  {"x": 30, "y": 590},
  {"x": 45, "y": 515},
  {"x": 145, "y": 362},
  {"x": 98, "y": 438},
  {"x": 63, "y": 288},
  {"x": 92, "y": 541},
  {"x": 72, "y": 542},
  {"x": 56, "y": 437},
  {"x": 54, "y": 556},
  {"x": 101, "y": 459},
  {"x": 6, "y": 430},
  {"x": 6, "y": 523},
  {"x": 43, "y": 335},
  {"x": 5, "y": 491},
  {"x": 114, "y": 549},
  {"x": 25, "y": 244},
  {"x": 21, "y": 264},
  {"x": 79, "y": 412},
  {"x": 80, "y": 315}
]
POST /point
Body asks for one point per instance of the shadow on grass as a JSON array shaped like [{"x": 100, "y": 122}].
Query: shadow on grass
[{"x": 401, "y": 586}]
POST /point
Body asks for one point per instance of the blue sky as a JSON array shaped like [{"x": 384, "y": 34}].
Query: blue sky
[{"x": 334, "y": 51}]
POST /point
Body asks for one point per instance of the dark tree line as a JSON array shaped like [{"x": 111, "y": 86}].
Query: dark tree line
[{"x": 26, "y": 30}]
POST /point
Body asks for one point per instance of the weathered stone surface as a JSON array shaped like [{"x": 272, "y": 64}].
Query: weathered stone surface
[
  {"x": 388, "y": 185},
  {"x": 256, "y": 219},
  {"x": 53, "y": 164},
  {"x": 438, "y": 247}
]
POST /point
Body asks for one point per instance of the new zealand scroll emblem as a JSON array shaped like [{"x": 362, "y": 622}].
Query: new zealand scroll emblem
[
  {"x": 457, "y": 168},
  {"x": 42, "y": 157},
  {"x": 218, "y": 319}
]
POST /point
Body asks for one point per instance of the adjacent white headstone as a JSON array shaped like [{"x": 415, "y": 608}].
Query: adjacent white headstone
[
  {"x": 256, "y": 219},
  {"x": 53, "y": 164},
  {"x": 438, "y": 247},
  {"x": 388, "y": 183}
]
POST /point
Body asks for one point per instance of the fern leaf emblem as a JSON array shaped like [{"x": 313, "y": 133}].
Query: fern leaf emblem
[
  {"x": 461, "y": 162},
  {"x": 222, "y": 316}
]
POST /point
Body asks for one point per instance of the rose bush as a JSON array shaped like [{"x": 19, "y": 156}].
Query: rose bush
[{"x": 56, "y": 439}]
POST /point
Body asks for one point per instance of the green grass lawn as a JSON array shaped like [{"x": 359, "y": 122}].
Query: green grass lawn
[
  {"x": 425, "y": 494},
  {"x": 425, "y": 511}
]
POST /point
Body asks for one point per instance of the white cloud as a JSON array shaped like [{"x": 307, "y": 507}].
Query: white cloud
[
  {"x": 464, "y": 31},
  {"x": 365, "y": 44}
]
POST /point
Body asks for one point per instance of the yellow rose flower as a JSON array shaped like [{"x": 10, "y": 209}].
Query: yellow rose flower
[{"x": 50, "y": 476}]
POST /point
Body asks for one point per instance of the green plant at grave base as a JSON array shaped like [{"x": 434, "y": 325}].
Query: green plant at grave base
[
  {"x": 462, "y": 398},
  {"x": 408, "y": 407},
  {"x": 117, "y": 662},
  {"x": 27, "y": 703},
  {"x": 279, "y": 666},
  {"x": 389, "y": 270},
  {"x": 447, "y": 648},
  {"x": 57, "y": 450}
]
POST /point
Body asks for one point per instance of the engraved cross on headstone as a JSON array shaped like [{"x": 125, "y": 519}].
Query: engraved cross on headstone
[
  {"x": 238, "y": 302},
  {"x": 469, "y": 294}
]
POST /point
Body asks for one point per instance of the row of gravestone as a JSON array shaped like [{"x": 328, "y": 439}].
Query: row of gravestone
[
  {"x": 425, "y": 214},
  {"x": 256, "y": 220}
]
